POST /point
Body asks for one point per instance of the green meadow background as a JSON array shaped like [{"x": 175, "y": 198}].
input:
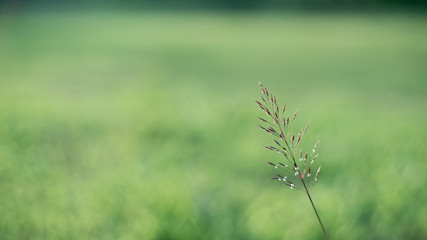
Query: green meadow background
[{"x": 143, "y": 125}]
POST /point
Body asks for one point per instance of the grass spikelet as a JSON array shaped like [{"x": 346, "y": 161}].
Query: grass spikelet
[{"x": 298, "y": 174}]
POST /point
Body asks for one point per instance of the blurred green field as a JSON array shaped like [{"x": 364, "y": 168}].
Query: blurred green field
[{"x": 143, "y": 125}]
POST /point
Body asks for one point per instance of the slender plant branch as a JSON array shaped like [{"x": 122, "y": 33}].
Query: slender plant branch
[
  {"x": 309, "y": 197},
  {"x": 315, "y": 210},
  {"x": 280, "y": 127}
]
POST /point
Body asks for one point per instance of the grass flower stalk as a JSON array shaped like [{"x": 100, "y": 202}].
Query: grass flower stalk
[{"x": 297, "y": 169}]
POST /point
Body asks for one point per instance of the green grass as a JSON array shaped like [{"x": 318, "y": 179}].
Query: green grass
[{"x": 143, "y": 125}]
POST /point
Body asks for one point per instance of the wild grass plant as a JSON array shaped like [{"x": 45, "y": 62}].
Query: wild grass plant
[{"x": 297, "y": 169}]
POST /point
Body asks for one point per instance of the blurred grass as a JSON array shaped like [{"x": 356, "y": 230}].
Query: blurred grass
[{"x": 143, "y": 125}]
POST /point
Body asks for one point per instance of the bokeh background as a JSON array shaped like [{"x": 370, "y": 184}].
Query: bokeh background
[{"x": 137, "y": 120}]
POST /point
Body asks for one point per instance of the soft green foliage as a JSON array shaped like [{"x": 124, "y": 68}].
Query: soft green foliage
[{"x": 143, "y": 125}]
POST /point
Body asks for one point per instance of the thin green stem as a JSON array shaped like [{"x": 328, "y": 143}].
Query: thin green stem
[
  {"x": 315, "y": 210},
  {"x": 309, "y": 197}
]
